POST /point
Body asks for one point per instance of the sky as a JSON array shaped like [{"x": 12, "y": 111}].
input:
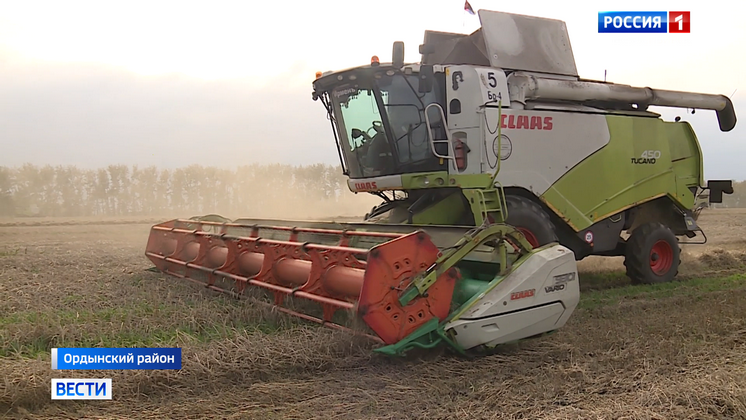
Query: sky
[{"x": 173, "y": 83}]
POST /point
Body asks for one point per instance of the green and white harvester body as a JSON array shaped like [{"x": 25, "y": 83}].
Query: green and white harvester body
[
  {"x": 498, "y": 168},
  {"x": 580, "y": 162}
]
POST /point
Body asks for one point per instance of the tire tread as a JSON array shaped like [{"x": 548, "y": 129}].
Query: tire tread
[
  {"x": 637, "y": 256},
  {"x": 523, "y": 205}
]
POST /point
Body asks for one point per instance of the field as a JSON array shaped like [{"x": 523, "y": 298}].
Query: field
[{"x": 650, "y": 352}]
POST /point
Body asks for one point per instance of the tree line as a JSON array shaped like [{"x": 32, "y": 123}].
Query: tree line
[
  {"x": 269, "y": 190},
  {"x": 119, "y": 190}
]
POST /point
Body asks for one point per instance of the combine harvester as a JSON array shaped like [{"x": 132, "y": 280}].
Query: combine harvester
[{"x": 503, "y": 169}]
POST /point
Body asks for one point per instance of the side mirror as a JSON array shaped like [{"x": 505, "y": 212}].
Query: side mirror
[
  {"x": 398, "y": 55},
  {"x": 427, "y": 76},
  {"x": 356, "y": 133}
]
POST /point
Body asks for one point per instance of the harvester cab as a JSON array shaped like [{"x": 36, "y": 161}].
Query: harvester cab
[{"x": 499, "y": 168}]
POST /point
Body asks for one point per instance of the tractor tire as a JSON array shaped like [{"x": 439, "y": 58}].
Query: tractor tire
[
  {"x": 531, "y": 220},
  {"x": 652, "y": 255}
]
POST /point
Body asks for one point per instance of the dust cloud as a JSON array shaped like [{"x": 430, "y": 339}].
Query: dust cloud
[{"x": 256, "y": 191}]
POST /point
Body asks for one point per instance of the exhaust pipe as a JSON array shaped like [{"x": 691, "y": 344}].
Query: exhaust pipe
[{"x": 525, "y": 87}]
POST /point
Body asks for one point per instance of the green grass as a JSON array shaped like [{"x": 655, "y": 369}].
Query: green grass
[
  {"x": 5, "y": 252},
  {"x": 84, "y": 316},
  {"x": 144, "y": 324},
  {"x": 691, "y": 287},
  {"x": 205, "y": 318},
  {"x": 39, "y": 346}
]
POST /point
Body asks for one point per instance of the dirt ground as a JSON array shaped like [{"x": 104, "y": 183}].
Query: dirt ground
[{"x": 628, "y": 352}]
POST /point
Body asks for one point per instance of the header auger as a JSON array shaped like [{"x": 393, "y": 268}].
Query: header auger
[{"x": 499, "y": 167}]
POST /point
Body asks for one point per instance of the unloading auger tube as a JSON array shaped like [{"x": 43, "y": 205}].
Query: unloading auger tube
[
  {"x": 413, "y": 286},
  {"x": 524, "y": 87}
]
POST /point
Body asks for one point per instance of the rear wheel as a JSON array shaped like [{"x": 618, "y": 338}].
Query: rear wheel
[
  {"x": 531, "y": 220},
  {"x": 653, "y": 254}
]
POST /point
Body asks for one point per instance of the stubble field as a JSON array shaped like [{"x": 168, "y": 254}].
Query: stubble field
[{"x": 650, "y": 352}]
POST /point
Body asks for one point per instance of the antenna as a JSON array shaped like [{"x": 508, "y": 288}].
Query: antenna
[
  {"x": 734, "y": 92},
  {"x": 604, "y": 75}
]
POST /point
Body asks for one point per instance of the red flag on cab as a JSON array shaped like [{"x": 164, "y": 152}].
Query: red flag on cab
[{"x": 468, "y": 8}]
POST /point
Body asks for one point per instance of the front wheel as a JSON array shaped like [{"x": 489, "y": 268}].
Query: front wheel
[
  {"x": 653, "y": 254},
  {"x": 531, "y": 220}
]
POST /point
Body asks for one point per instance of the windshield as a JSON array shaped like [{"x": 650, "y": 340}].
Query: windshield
[{"x": 382, "y": 126}]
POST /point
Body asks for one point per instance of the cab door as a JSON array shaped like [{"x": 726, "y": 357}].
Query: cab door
[{"x": 468, "y": 88}]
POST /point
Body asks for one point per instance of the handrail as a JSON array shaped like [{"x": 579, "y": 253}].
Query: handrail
[{"x": 451, "y": 153}]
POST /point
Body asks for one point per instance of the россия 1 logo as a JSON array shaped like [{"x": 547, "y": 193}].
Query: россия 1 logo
[{"x": 644, "y": 22}]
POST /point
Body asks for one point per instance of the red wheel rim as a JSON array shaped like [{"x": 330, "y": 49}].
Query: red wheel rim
[
  {"x": 661, "y": 257},
  {"x": 530, "y": 237}
]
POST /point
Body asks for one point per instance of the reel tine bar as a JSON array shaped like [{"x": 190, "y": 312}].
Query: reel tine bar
[{"x": 330, "y": 275}]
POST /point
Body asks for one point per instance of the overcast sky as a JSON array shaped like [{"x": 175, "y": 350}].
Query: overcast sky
[{"x": 171, "y": 83}]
